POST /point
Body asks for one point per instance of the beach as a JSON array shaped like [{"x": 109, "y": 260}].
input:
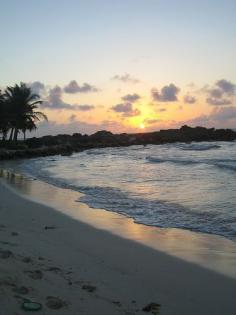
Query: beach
[{"x": 71, "y": 267}]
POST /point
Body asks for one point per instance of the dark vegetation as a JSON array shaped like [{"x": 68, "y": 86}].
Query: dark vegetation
[{"x": 18, "y": 113}]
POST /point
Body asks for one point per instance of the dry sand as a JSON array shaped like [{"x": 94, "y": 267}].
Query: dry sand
[{"x": 73, "y": 268}]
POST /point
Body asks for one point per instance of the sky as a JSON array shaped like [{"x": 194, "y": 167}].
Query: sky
[{"x": 123, "y": 66}]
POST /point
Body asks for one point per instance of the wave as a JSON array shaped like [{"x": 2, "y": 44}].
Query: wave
[
  {"x": 156, "y": 212},
  {"x": 152, "y": 159},
  {"x": 221, "y": 164},
  {"x": 95, "y": 152},
  {"x": 199, "y": 147},
  {"x": 226, "y": 166}
]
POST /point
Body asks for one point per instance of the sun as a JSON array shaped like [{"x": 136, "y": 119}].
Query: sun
[{"x": 142, "y": 126}]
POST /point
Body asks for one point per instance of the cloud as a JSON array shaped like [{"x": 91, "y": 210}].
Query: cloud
[
  {"x": 189, "y": 99},
  {"x": 54, "y": 101},
  {"x": 73, "y": 88},
  {"x": 122, "y": 108},
  {"x": 132, "y": 113},
  {"x": 151, "y": 121},
  {"x": 126, "y": 109},
  {"x": 226, "y": 86},
  {"x": 220, "y": 117},
  {"x": 218, "y": 101},
  {"x": 216, "y": 93},
  {"x": 221, "y": 93},
  {"x": 131, "y": 98},
  {"x": 72, "y": 118},
  {"x": 37, "y": 87},
  {"x": 126, "y": 78},
  {"x": 84, "y": 108},
  {"x": 224, "y": 114},
  {"x": 168, "y": 93}
]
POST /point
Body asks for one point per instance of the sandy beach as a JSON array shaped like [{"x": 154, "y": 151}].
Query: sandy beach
[{"x": 72, "y": 268}]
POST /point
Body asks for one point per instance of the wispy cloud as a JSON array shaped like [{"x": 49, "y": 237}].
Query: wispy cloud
[
  {"x": 218, "y": 101},
  {"x": 126, "y": 78},
  {"x": 189, "y": 99},
  {"x": 151, "y": 121},
  {"x": 73, "y": 87}
]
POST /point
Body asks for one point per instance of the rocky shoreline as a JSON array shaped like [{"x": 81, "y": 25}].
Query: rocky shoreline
[{"x": 67, "y": 144}]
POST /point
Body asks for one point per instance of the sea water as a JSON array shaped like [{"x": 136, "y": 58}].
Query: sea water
[{"x": 188, "y": 186}]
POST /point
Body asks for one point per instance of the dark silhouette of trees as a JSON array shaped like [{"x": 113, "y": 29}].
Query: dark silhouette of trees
[{"x": 18, "y": 111}]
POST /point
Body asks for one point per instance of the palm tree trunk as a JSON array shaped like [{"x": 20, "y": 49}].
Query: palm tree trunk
[
  {"x": 24, "y": 135},
  {"x": 4, "y": 135},
  {"x": 15, "y": 135},
  {"x": 11, "y": 134}
]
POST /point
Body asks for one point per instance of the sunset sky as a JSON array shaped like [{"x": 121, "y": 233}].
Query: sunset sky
[{"x": 123, "y": 66}]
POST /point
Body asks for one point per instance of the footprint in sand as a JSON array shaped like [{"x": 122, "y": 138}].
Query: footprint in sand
[
  {"x": 27, "y": 260},
  {"x": 35, "y": 274},
  {"x": 8, "y": 243},
  {"x": 55, "y": 303},
  {"x": 54, "y": 269},
  {"x": 4, "y": 254},
  {"x": 117, "y": 303},
  {"x": 21, "y": 290},
  {"x": 89, "y": 288}
]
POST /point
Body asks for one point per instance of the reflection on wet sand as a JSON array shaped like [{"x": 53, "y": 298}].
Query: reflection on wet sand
[{"x": 210, "y": 251}]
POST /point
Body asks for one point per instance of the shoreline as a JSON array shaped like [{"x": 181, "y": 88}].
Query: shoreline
[
  {"x": 84, "y": 269},
  {"x": 210, "y": 251}
]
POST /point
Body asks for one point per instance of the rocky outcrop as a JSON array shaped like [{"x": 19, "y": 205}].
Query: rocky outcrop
[{"x": 67, "y": 144}]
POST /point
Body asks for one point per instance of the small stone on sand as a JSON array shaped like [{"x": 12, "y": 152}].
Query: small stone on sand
[
  {"x": 153, "y": 308},
  {"x": 49, "y": 227}
]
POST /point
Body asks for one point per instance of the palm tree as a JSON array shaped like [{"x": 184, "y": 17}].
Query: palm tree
[
  {"x": 29, "y": 125},
  {"x": 22, "y": 105},
  {"x": 4, "y": 124}
]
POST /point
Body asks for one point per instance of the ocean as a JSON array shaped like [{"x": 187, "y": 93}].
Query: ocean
[{"x": 187, "y": 186}]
